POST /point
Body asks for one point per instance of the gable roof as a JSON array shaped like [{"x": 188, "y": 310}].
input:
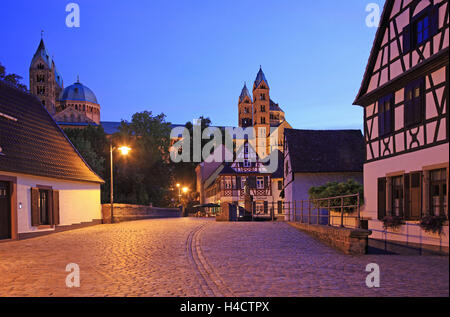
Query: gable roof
[
  {"x": 384, "y": 22},
  {"x": 33, "y": 143},
  {"x": 320, "y": 151}
]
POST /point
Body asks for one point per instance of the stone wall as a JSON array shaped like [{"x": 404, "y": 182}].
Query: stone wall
[
  {"x": 349, "y": 241},
  {"x": 125, "y": 212}
]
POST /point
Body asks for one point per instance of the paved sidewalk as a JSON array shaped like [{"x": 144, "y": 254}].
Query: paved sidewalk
[{"x": 199, "y": 257}]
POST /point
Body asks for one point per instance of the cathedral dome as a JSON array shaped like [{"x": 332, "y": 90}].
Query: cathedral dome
[{"x": 78, "y": 92}]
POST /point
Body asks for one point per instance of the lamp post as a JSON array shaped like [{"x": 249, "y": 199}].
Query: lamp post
[
  {"x": 179, "y": 193},
  {"x": 124, "y": 150}
]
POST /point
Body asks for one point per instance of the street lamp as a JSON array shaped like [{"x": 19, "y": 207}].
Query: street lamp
[
  {"x": 124, "y": 150},
  {"x": 179, "y": 193}
]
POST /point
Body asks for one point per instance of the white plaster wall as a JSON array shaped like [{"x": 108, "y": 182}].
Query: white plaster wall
[
  {"x": 413, "y": 161},
  {"x": 304, "y": 181},
  {"x": 78, "y": 201}
]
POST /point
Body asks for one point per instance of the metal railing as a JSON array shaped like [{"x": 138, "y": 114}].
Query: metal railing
[
  {"x": 412, "y": 237},
  {"x": 340, "y": 211}
]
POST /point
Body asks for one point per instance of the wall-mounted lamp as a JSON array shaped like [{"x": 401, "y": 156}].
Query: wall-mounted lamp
[{"x": 20, "y": 205}]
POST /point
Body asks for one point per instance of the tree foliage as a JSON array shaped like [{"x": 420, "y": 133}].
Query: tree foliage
[
  {"x": 335, "y": 189},
  {"x": 143, "y": 176},
  {"x": 12, "y": 79},
  {"x": 91, "y": 143}
]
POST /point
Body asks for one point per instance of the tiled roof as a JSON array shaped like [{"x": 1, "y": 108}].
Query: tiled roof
[
  {"x": 33, "y": 143},
  {"x": 319, "y": 151}
]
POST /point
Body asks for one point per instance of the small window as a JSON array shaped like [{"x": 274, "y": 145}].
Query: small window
[
  {"x": 397, "y": 196},
  {"x": 43, "y": 205},
  {"x": 263, "y": 108},
  {"x": 247, "y": 163},
  {"x": 386, "y": 115},
  {"x": 414, "y": 102},
  {"x": 260, "y": 182},
  {"x": 422, "y": 30},
  {"x": 438, "y": 192},
  {"x": 263, "y": 120}
]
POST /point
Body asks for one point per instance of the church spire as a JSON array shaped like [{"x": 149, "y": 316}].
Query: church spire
[
  {"x": 260, "y": 77},
  {"x": 244, "y": 93}
]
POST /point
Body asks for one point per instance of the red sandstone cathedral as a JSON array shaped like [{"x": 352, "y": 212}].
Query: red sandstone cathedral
[{"x": 71, "y": 106}]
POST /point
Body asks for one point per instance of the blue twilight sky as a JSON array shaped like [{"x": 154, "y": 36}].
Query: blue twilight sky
[{"x": 190, "y": 58}]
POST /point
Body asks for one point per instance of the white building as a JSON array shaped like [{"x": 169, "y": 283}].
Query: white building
[
  {"x": 405, "y": 93},
  {"x": 45, "y": 185},
  {"x": 316, "y": 157}
]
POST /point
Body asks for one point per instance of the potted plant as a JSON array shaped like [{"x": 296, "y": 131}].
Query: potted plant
[
  {"x": 393, "y": 222},
  {"x": 433, "y": 224}
]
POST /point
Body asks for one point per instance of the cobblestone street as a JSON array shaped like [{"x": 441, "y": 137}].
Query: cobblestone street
[{"x": 200, "y": 257}]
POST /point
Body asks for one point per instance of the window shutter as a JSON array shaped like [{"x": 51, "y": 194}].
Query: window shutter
[
  {"x": 381, "y": 198},
  {"x": 238, "y": 182},
  {"x": 266, "y": 182},
  {"x": 280, "y": 207},
  {"x": 56, "y": 207},
  {"x": 35, "y": 219},
  {"x": 50, "y": 207},
  {"x": 406, "y": 196},
  {"x": 252, "y": 181},
  {"x": 416, "y": 195},
  {"x": 406, "y": 39},
  {"x": 266, "y": 207},
  {"x": 434, "y": 20}
]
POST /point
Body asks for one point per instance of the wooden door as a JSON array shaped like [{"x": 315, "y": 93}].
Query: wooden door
[{"x": 5, "y": 211}]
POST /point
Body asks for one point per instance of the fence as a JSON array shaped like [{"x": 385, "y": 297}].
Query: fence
[
  {"x": 340, "y": 211},
  {"x": 411, "y": 240}
]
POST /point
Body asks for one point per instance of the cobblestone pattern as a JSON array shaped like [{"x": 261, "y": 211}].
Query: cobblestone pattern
[{"x": 199, "y": 257}]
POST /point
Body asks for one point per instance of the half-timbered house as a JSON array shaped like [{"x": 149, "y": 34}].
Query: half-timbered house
[
  {"x": 227, "y": 183},
  {"x": 405, "y": 93}
]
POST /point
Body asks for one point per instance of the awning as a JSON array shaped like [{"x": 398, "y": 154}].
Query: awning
[{"x": 210, "y": 205}]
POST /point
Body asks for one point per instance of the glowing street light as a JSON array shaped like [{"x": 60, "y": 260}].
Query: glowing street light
[
  {"x": 185, "y": 190},
  {"x": 124, "y": 150}
]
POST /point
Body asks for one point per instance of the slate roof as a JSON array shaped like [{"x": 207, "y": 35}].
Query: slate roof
[
  {"x": 274, "y": 106},
  {"x": 42, "y": 52},
  {"x": 78, "y": 92},
  {"x": 244, "y": 93},
  {"x": 33, "y": 143},
  {"x": 320, "y": 151},
  {"x": 259, "y": 78}
]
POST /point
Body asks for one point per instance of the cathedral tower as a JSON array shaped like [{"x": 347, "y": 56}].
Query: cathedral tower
[
  {"x": 45, "y": 81},
  {"x": 245, "y": 107},
  {"x": 261, "y": 116}
]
